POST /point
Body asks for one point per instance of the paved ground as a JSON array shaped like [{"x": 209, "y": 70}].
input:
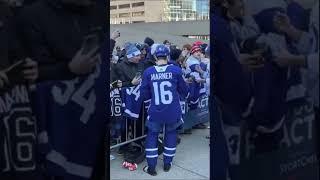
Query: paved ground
[{"x": 191, "y": 161}]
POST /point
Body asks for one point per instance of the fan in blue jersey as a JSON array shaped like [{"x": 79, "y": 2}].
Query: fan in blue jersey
[
  {"x": 164, "y": 85},
  {"x": 196, "y": 71}
]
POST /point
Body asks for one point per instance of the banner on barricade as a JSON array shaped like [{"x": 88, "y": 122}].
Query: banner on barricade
[
  {"x": 295, "y": 159},
  {"x": 199, "y": 115}
]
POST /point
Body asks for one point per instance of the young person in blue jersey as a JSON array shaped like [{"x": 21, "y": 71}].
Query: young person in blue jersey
[
  {"x": 164, "y": 85},
  {"x": 196, "y": 70}
]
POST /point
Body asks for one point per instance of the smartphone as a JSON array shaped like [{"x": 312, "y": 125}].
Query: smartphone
[
  {"x": 138, "y": 75},
  {"x": 92, "y": 40}
]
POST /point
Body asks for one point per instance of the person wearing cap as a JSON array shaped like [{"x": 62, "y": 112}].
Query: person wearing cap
[
  {"x": 125, "y": 74},
  {"x": 195, "y": 56},
  {"x": 197, "y": 43},
  {"x": 196, "y": 70},
  {"x": 126, "y": 70},
  {"x": 164, "y": 85}
]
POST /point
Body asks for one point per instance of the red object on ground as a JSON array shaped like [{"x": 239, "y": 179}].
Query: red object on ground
[{"x": 130, "y": 166}]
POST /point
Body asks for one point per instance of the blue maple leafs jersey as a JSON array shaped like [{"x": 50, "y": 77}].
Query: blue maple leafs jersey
[
  {"x": 182, "y": 104},
  {"x": 132, "y": 101},
  {"x": 196, "y": 89},
  {"x": 164, "y": 85},
  {"x": 116, "y": 112},
  {"x": 116, "y": 103},
  {"x": 17, "y": 132},
  {"x": 72, "y": 124}
]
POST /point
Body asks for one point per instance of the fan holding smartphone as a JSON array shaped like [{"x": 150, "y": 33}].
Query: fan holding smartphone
[
  {"x": 88, "y": 56},
  {"x": 137, "y": 79}
]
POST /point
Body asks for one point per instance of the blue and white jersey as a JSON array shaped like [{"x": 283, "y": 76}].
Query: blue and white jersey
[
  {"x": 164, "y": 85},
  {"x": 72, "y": 123},
  {"x": 116, "y": 102},
  {"x": 17, "y": 132},
  {"x": 196, "y": 89},
  {"x": 131, "y": 101},
  {"x": 205, "y": 76},
  {"x": 183, "y": 105}
]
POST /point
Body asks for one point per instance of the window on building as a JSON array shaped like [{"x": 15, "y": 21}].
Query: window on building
[
  {"x": 137, "y": 14},
  {"x": 138, "y": 4},
  {"x": 124, "y": 6},
  {"x": 122, "y": 15},
  {"x": 113, "y": 15},
  {"x": 113, "y": 7}
]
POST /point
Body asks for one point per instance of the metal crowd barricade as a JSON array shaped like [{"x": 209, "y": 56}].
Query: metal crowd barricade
[
  {"x": 131, "y": 132},
  {"x": 191, "y": 118}
]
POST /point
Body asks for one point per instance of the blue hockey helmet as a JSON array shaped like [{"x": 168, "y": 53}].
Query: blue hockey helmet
[{"x": 161, "y": 51}]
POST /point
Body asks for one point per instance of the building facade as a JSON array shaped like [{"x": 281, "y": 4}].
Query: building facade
[
  {"x": 186, "y": 10},
  {"x": 134, "y": 11}
]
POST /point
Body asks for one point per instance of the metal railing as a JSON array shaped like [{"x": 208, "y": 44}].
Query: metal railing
[{"x": 131, "y": 131}]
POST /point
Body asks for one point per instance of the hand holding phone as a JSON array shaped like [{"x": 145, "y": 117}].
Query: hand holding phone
[
  {"x": 90, "y": 42},
  {"x": 138, "y": 75},
  {"x": 137, "y": 79},
  {"x": 87, "y": 57},
  {"x": 115, "y": 34}
]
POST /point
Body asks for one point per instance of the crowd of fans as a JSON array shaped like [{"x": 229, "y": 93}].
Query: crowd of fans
[
  {"x": 128, "y": 63},
  {"x": 266, "y": 58}
]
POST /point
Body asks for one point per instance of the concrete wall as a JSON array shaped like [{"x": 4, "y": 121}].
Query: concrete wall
[{"x": 173, "y": 28}]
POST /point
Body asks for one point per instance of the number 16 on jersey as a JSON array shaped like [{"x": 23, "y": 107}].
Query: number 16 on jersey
[{"x": 162, "y": 96}]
